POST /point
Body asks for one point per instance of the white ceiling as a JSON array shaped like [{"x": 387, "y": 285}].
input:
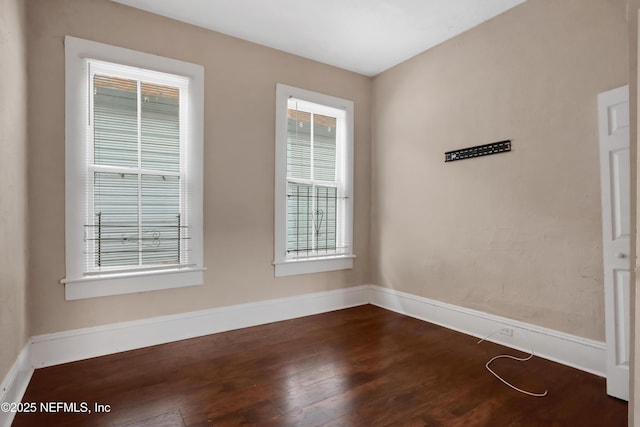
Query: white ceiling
[{"x": 365, "y": 36}]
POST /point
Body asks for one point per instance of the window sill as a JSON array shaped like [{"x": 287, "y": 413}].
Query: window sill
[
  {"x": 133, "y": 282},
  {"x": 313, "y": 265}
]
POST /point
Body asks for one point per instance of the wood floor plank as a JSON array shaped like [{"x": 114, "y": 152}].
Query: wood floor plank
[
  {"x": 170, "y": 419},
  {"x": 363, "y": 366}
]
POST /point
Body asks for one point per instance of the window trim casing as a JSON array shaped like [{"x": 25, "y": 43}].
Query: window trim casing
[
  {"x": 289, "y": 267},
  {"x": 77, "y": 283}
]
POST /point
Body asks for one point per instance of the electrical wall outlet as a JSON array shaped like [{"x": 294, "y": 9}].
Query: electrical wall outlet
[{"x": 507, "y": 332}]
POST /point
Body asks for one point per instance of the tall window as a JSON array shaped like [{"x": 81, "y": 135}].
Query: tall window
[
  {"x": 135, "y": 215},
  {"x": 137, "y": 159},
  {"x": 313, "y": 182}
]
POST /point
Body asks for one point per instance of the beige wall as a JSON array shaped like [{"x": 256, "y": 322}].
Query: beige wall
[
  {"x": 515, "y": 234},
  {"x": 240, "y": 80},
  {"x": 13, "y": 182}
]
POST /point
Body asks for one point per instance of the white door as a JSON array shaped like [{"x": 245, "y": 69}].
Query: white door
[{"x": 613, "y": 116}]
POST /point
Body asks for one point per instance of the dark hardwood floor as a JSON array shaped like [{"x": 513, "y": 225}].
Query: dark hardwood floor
[{"x": 363, "y": 366}]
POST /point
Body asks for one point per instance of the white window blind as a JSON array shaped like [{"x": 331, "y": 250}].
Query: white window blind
[
  {"x": 314, "y": 175},
  {"x": 315, "y": 193},
  {"x": 137, "y": 216}
]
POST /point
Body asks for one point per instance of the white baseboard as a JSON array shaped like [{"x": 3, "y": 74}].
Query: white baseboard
[
  {"x": 79, "y": 344},
  {"x": 69, "y": 346},
  {"x": 15, "y": 384},
  {"x": 581, "y": 353}
]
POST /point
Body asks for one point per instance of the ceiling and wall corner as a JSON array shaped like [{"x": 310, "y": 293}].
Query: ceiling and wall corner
[{"x": 364, "y": 36}]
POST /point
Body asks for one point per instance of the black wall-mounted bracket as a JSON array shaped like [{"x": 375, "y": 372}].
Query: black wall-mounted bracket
[{"x": 478, "y": 150}]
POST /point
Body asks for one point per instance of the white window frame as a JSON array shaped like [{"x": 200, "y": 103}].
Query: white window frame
[
  {"x": 290, "y": 265},
  {"x": 79, "y": 281}
]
